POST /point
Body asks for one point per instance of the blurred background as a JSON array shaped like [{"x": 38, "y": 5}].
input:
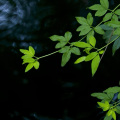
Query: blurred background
[{"x": 52, "y": 92}]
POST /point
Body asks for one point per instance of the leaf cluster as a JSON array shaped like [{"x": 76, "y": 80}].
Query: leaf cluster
[
  {"x": 29, "y": 58},
  {"x": 108, "y": 103}
]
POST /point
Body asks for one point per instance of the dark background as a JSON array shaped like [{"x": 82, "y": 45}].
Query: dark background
[{"x": 52, "y": 92}]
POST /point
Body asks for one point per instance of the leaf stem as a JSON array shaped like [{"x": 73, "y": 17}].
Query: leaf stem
[
  {"x": 115, "y": 7},
  {"x": 108, "y": 43},
  {"x": 47, "y": 55}
]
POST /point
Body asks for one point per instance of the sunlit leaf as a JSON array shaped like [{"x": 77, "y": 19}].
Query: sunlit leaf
[
  {"x": 109, "y": 112},
  {"x": 68, "y": 35},
  {"x": 105, "y": 106},
  {"x": 81, "y": 59},
  {"x": 92, "y": 41},
  {"x": 101, "y": 52},
  {"x": 81, "y": 44},
  {"x": 29, "y": 66},
  {"x": 90, "y": 19},
  {"x": 26, "y": 56},
  {"x": 26, "y": 52},
  {"x": 36, "y": 64},
  {"x": 31, "y": 50},
  {"x": 104, "y": 3},
  {"x": 87, "y": 50},
  {"x": 91, "y": 56},
  {"x": 28, "y": 60},
  {"x": 95, "y": 64},
  {"x": 114, "y": 115}
]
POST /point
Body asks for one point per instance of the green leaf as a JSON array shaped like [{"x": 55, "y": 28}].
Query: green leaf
[
  {"x": 107, "y": 17},
  {"x": 60, "y": 44},
  {"x": 92, "y": 41},
  {"x": 57, "y": 38},
  {"x": 119, "y": 96},
  {"x": 101, "y": 11},
  {"x": 81, "y": 44},
  {"x": 82, "y": 27},
  {"x": 29, "y": 66},
  {"x": 95, "y": 64},
  {"x": 85, "y": 31},
  {"x": 100, "y": 95},
  {"x": 82, "y": 20},
  {"x": 117, "y": 12},
  {"x": 116, "y": 45},
  {"x": 104, "y": 3},
  {"x": 28, "y": 60},
  {"x": 108, "y": 117},
  {"x": 118, "y": 109},
  {"x": 95, "y": 7},
  {"x": 65, "y": 58},
  {"x": 90, "y": 19},
  {"x": 112, "y": 89},
  {"x": 101, "y": 52},
  {"x": 75, "y": 50},
  {"x": 36, "y": 64},
  {"x": 114, "y": 18},
  {"x": 64, "y": 49},
  {"x": 31, "y": 50},
  {"x": 106, "y": 27},
  {"x": 81, "y": 59},
  {"x": 99, "y": 30},
  {"x": 25, "y": 57},
  {"x": 26, "y": 52},
  {"x": 87, "y": 50},
  {"x": 105, "y": 106},
  {"x": 113, "y": 23},
  {"x": 68, "y": 36},
  {"x": 91, "y": 33},
  {"x": 111, "y": 112},
  {"x": 117, "y": 32},
  {"x": 91, "y": 56}
]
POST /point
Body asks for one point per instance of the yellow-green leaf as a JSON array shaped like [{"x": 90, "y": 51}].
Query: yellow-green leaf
[
  {"x": 91, "y": 56},
  {"x": 81, "y": 59},
  {"x": 81, "y": 44},
  {"x": 31, "y": 50},
  {"x": 95, "y": 64},
  {"x": 36, "y": 64},
  {"x": 92, "y": 41},
  {"x": 29, "y": 66}
]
